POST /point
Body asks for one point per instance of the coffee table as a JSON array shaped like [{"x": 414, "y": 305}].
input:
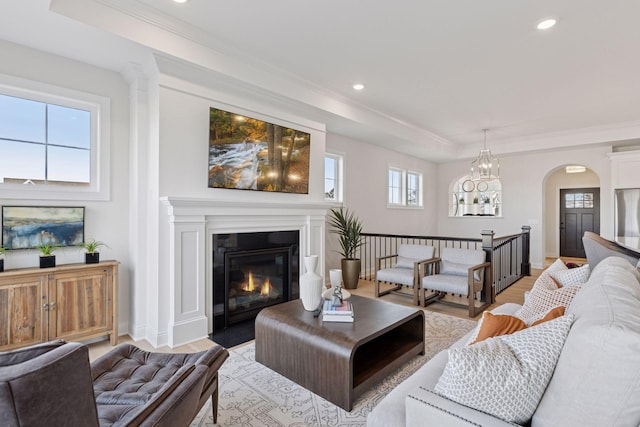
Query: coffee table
[{"x": 338, "y": 361}]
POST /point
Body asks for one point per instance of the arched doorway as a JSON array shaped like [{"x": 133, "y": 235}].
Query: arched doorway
[{"x": 566, "y": 217}]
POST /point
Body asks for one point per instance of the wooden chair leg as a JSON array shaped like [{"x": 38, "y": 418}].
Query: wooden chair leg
[{"x": 214, "y": 403}]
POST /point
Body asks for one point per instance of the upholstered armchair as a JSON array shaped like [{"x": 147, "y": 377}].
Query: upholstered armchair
[
  {"x": 404, "y": 271},
  {"x": 54, "y": 384},
  {"x": 457, "y": 271}
]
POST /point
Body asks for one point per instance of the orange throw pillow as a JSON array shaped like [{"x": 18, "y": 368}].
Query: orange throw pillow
[
  {"x": 552, "y": 314},
  {"x": 493, "y": 325}
]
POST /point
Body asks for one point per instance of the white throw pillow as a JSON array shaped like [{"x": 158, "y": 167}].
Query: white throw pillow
[
  {"x": 572, "y": 276},
  {"x": 404, "y": 262},
  {"x": 541, "y": 300},
  {"x": 505, "y": 376}
]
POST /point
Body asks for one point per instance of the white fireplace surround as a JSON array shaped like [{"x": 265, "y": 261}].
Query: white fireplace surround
[{"x": 191, "y": 226}]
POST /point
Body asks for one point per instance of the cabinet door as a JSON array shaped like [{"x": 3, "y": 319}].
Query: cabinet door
[
  {"x": 22, "y": 304},
  {"x": 80, "y": 303}
]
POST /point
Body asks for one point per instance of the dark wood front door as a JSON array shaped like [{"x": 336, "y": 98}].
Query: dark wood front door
[{"x": 579, "y": 212}]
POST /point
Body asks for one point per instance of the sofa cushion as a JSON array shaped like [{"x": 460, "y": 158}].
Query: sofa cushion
[
  {"x": 416, "y": 252},
  {"x": 571, "y": 276},
  {"x": 457, "y": 261},
  {"x": 403, "y": 276},
  {"x": 404, "y": 262},
  {"x": 445, "y": 283},
  {"x": 507, "y": 375},
  {"x": 597, "y": 379}
]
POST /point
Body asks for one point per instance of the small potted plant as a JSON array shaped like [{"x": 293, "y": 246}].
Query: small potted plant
[
  {"x": 47, "y": 259},
  {"x": 92, "y": 255},
  {"x": 2, "y": 252}
]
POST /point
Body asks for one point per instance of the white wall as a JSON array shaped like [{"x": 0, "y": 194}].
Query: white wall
[
  {"x": 104, "y": 220},
  {"x": 523, "y": 180},
  {"x": 556, "y": 181},
  {"x": 365, "y": 170}
]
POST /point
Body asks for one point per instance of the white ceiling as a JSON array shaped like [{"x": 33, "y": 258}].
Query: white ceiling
[{"x": 436, "y": 71}]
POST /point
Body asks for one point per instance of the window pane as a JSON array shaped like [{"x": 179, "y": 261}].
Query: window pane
[
  {"x": 22, "y": 119},
  {"x": 69, "y": 126},
  {"x": 330, "y": 177},
  {"x": 412, "y": 189},
  {"x": 68, "y": 165},
  {"x": 21, "y": 161},
  {"x": 395, "y": 187}
]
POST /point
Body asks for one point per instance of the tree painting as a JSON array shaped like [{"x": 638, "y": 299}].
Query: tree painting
[{"x": 249, "y": 154}]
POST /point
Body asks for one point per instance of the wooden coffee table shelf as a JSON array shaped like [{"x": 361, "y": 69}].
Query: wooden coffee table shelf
[{"x": 338, "y": 361}]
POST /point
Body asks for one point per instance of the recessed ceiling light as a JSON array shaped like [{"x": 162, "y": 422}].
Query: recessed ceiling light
[
  {"x": 546, "y": 23},
  {"x": 180, "y": 1},
  {"x": 358, "y": 86}
]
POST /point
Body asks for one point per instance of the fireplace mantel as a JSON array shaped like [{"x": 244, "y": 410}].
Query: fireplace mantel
[{"x": 191, "y": 224}]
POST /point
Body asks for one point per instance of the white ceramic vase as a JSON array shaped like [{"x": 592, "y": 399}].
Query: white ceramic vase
[
  {"x": 310, "y": 284},
  {"x": 335, "y": 276}
]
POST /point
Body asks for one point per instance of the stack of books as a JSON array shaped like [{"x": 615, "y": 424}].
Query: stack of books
[{"x": 340, "y": 313}]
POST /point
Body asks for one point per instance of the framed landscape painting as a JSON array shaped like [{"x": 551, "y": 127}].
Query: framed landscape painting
[
  {"x": 26, "y": 227},
  {"x": 250, "y": 154}
]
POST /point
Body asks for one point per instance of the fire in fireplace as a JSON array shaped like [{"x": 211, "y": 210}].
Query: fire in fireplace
[
  {"x": 256, "y": 279},
  {"x": 251, "y": 271}
]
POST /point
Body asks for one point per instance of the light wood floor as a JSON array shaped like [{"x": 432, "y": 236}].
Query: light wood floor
[{"x": 514, "y": 293}]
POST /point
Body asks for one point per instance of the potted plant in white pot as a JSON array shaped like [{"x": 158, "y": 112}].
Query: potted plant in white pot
[
  {"x": 3, "y": 250},
  {"x": 47, "y": 258},
  {"x": 349, "y": 228},
  {"x": 92, "y": 255}
]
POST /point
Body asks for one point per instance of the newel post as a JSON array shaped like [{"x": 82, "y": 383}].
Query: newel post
[
  {"x": 489, "y": 293},
  {"x": 526, "y": 241}
]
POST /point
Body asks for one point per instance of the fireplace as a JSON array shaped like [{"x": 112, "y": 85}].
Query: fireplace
[{"x": 251, "y": 271}]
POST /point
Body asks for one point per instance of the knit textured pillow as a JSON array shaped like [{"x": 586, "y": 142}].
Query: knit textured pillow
[
  {"x": 541, "y": 300},
  {"x": 505, "y": 376},
  {"x": 572, "y": 276}
]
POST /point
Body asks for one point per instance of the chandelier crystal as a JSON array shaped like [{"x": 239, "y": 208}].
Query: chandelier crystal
[{"x": 485, "y": 167}]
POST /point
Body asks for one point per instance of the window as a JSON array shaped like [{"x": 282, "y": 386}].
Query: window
[
  {"x": 50, "y": 144},
  {"x": 333, "y": 185},
  {"x": 404, "y": 188}
]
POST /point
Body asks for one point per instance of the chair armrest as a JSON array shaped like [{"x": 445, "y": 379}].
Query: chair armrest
[
  {"x": 424, "y": 407},
  {"x": 20, "y": 355},
  {"x": 435, "y": 262},
  {"x": 379, "y": 260},
  {"x": 54, "y": 388}
]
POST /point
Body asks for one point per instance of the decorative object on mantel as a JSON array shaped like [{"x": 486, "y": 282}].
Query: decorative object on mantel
[
  {"x": 92, "y": 255},
  {"x": 349, "y": 229},
  {"x": 47, "y": 259},
  {"x": 311, "y": 284},
  {"x": 485, "y": 167},
  {"x": 2, "y": 252}
]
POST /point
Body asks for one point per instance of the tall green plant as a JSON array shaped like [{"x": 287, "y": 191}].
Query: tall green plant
[{"x": 349, "y": 229}]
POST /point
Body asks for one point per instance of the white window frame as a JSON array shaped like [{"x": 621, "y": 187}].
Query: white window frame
[
  {"x": 404, "y": 188},
  {"x": 99, "y": 108},
  {"x": 338, "y": 177}
]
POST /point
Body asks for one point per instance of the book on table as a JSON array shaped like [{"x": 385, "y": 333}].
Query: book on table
[
  {"x": 341, "y": 313},
  {"x": 345, "y": 309}
]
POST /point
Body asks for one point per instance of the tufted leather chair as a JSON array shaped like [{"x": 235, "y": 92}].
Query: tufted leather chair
[{"x": 54, "y": 384}]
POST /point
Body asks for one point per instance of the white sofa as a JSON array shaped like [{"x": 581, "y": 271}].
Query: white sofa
[{"x": 596, "y": 381}]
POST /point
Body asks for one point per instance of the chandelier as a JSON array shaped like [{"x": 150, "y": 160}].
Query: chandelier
[{"x": 485, "y": 167}]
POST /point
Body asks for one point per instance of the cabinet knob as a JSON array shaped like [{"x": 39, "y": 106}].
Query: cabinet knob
[
  {"x": 52, "y": 305},
  {"x": 45, "y": 306}
]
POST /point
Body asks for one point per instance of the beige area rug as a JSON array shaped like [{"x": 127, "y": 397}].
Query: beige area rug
[{"x": 252, "y": 395}]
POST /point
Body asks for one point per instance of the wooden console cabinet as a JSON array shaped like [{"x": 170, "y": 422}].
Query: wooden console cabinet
[{"x": 70, "y": 302}]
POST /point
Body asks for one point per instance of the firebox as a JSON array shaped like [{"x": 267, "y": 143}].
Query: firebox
[{"x": 251, "y": 271}]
